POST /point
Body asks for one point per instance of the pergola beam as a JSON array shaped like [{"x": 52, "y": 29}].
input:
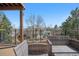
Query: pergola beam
[{"x": 11, "y": 6}]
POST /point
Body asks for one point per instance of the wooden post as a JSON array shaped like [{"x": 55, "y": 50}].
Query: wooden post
[
  {"x": 21, "y": 26},
  {"x": 15, "y": 37}
]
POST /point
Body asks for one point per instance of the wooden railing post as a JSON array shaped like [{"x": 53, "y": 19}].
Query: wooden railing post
[{"x": 50, "y": 48}]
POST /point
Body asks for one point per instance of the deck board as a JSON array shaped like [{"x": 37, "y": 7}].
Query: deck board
[
  {"x": 7, "y": 52},
  {"x": 64, "y": 50}
]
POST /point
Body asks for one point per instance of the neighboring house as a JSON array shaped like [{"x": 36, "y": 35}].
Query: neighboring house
[
  {"x": 56, "y": 31},
  {"x": 53, "y": 31}
]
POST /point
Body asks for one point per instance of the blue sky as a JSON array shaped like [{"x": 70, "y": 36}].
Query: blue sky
[{"x": 52, "y": 13}]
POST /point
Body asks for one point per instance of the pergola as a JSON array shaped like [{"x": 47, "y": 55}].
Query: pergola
[{"x": 15, "y": 6}]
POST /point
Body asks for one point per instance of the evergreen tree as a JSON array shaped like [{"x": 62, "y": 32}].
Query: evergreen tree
[
  {"x": 71, "y": 25},
  {"x": 5, "y": 28}
]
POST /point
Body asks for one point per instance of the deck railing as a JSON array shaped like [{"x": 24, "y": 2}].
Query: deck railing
[
  {"x": 43, "y": 47},
  {"x": 59, "y": 40},
  {"x": 74, "y": 44}
]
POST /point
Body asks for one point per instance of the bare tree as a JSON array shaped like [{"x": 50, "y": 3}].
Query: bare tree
[
  {"x": 31, "y": 24},
  {"x": 40, "y": 25},
  {"x": 37, "y": 24}
]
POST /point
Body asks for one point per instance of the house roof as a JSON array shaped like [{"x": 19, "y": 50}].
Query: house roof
[{"x": 11, "y": 6}]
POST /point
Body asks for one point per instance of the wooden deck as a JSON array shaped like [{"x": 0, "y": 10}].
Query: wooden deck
[
  {"x": 57, "y": 50},
  {"x": 64, "y": 50},
  {"x": 7, "y": 52}
]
